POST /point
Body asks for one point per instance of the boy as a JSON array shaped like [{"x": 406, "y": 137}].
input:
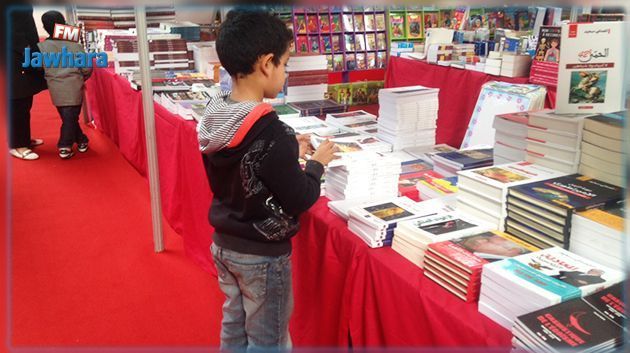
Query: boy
[
  {"x": 66, "y": 87},
  {"x": 251, "y": 160}
]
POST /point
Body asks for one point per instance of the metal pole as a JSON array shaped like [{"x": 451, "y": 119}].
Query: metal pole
[
  {"x": 626, "y": 150},
  {"x": 149, "y": 128}
]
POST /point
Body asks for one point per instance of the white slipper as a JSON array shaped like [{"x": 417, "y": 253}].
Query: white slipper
[{"x": 26, "y": 155}]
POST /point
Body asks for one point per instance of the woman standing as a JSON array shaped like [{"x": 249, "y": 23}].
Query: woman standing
[{"x": 25, "y": 83}]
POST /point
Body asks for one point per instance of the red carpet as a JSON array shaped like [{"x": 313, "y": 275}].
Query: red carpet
[{"x": 83, "y": 268}]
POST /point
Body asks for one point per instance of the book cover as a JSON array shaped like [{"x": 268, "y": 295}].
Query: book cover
[
  {"x": 468, "y": 158},
  {"x": 336, "y": 43},
  {"x": 548, "y": 49},
  {"x": 381, "y": 41},
  {"x": 443, "y": 225},
  {"x": 324, "y": 23},
  {"x": 312, "y": 26},
  {"x": 370, "y": 41},
  {"x": 381, "y": 59},
  {"x": 414, "y": 25},
  {"x": 370, "y": 22},
  {"x": 572, "y": 192},
  {"x": 609, "y": 125},
  {"x": 380, "y": 22},
  {"x": 385, "y": 215},
  {"x": 612, "y": 217},
  {"x": 335, "y": 23},
  {"x": 338, "y": 62},
  {"x": 438, "y": 184},
  {"x": 430, "y": 20},
  {"x": 591, "y": 68},
  {"x": 326, "y": 45},
  {"x": 446, "y": 18},
  {"x": 313, "y": 44},
  {"x": 610, "y": 303},
  {"x": 397, "y": 26},
  {"x": 511, "y": 174},
  {"x": 556, "y": 274},
  {"x": 361, "y": 65},
  {"x": 415, "y": 166},
  {"x": 350, "y": 61},
  {"x": 494, "y": 245},
  {"x": 349, "y": 42},
  {"x": 302, "y": 44},
  {"x": 348, "y": 23},
  {"x": 300, "y": 24},
  {"x": 359, "y": 24},
  {"x": 359, "y": 42}
]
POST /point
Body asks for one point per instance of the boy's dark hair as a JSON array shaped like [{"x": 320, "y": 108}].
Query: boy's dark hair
[
  {"x": 50, "y": 18},
  {"x": 248, "y": 34}
]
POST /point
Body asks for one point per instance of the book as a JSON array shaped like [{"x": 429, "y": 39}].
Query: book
[
  {"x": 414, "y": 25},
  {"x": 386, "y": 215},
  {"x": 462, "y": 259},
  {"x": 609, "y": 125},
  {"x": 396, "y": 26},
  {"x": 380, "y": 22},
  {"x": 591, "y": 68},
  {"x": 451, "y": 162},
  {"x": 548, "y": 48},
  {"x": 596, "y": 321},
  {"x": 543, "y": 278},
  {"x": 434, "y": 185}
]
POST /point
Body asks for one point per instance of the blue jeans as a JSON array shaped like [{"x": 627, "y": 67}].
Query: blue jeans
[{"x": 258, "y": 299}]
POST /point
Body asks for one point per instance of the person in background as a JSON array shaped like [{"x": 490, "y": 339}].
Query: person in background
[
  {"x": 66, "y": 86},
  {"x": 251, "y": 160},
  {"x": 25, "y": 83}
]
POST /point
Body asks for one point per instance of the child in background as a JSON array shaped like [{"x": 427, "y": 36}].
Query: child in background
[
  {"x": 259, "y": 188},
  {"x": 66, "y": 87}
]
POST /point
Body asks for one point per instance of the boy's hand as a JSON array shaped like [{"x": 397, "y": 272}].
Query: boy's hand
[
  {"x": 325, "y": 153},
  {"x": 305, "y": 144}
]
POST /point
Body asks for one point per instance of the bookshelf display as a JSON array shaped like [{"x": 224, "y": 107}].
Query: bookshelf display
[{"x": 352, "y": 37}]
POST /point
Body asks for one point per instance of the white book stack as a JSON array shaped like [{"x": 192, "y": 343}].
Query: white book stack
[
  {"x": 205, "y": 56},
  {"x": 597, "y": 234},
  {"x": 364, "y": 176},
  {"x": 374, "y": 222},
  {"x": 483, "y": 192},
  {"x": 493, "y": 63},
  {"x": 603, "y": 154},
  {"x": 426, "y": 153},
  {"x": 554, "y": 140},
  {"x": 515, "y": 65},
  {"x": 408, "y": 116},
  {"x": 463, "y": 51},
  {"x": 411, "y": 238},
  {"x": 510, "y": 138},
  {"x": 304, "y": 66},
  {"x": 519, "y": 285}
]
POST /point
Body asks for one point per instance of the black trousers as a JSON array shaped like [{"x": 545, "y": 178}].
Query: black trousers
[
  {"x": 20, "y": 122},
  {"x": 70, "y": 129}
]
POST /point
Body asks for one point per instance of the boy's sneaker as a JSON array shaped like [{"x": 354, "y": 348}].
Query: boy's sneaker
[
  {"x": 82, "y": 147},
  {"x": 65, "y": 153}
]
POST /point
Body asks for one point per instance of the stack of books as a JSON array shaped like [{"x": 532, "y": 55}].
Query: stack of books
[
  {"x": 411, "y": 238},
  {"x": 510, "y": 137},
  {"x": 456, "y": 264},
  {"x": 188, "y": 30},
  {"x": 363, "y": 176},
  {"x": 357, "y": 120},
  {"x": 545, "y": 64},
  {"x": 437, "y": 53},
  {"x": 554, "y": 140},
  {"x": 374, "y": 223},
  {"x": 181, "y": 102},
  {"x": 318, "y": 108},
  {"x": 602, "y": 148},
  {"x": 205, "y": 56},
  {"x": 414, "y": 170},
  {"x": 286, "y": 111},
  {"x": 493, "y": 63},
  {"x": 597, "y": 234},
  {"x": 449, "y": 163},
  {"x": 107, "y": 17},
  {"x": 308, "y": 78},
  {"x": 349, "y": 142},
  {"x": 181, "y": 82},
  {"x": 435, "y": 185},
  {"x": 408, "y": 116},
  {"x": 483, "y": 191},
  {"x": 463, "y": 52},
  {"x": 515, "y": 65},
  {"x": 595, "y": 323},
  {"x": 164, "y": 54},
  {"x": 541, "y": 212},
  {"x": 526, "y": 283}
]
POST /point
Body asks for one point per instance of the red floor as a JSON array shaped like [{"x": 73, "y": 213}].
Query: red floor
[{"x": 83, "y": 267}]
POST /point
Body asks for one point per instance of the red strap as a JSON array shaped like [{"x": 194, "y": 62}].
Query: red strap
[{"x": 258, "y": 112}]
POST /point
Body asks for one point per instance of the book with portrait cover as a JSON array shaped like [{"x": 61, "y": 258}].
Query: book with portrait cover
[
  {"x": 386, "y": 215},
  {"x": 592, "y": 68},
  {"x": 397, "y": 26},
  {"x": 551, "y": 276},
  {"x": 597, "y": 320}
]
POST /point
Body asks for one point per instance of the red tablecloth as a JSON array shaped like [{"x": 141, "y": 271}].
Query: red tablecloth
[
  {"x": 459, "y": 90},
  {"x": 345, "y": 293}
]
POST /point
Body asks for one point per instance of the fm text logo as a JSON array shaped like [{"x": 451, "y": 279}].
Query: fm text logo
[{"x": 65, "y": 32}]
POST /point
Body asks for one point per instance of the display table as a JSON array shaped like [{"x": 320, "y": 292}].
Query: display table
[
  {"x": 459, "y": 90},
  {"x": 345, "y": 293}
]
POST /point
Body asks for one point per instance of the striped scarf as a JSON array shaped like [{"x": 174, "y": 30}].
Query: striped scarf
[{"x": 221, "y": 121}]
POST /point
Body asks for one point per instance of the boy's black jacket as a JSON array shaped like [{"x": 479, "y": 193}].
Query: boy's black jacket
[{"x": 258, "y": 185}]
